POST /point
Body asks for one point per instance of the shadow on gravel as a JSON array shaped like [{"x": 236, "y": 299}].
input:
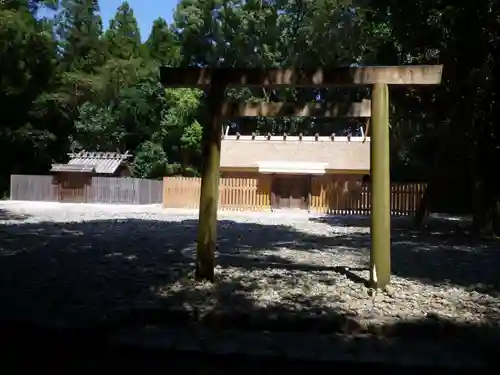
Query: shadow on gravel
[
  {"x": 441, "y": 251},
  {"x": 103, "y": 276}
]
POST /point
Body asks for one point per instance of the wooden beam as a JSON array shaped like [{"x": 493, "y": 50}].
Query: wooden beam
[
  {"x": 321, "y": 77},
  {"x": 357, "y": 109}
]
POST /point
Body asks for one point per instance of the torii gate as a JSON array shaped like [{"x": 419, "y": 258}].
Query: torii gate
[{"x": 216, "y": 80}]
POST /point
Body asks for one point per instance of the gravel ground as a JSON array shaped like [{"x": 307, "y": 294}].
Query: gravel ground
[{"x": 65, "y": 264}]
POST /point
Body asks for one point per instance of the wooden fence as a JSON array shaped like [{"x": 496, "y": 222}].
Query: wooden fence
[
  {"x": 333, "y": 199},
  {"x": 245, "y": 194},
  {"x": 112, "y": 190}
]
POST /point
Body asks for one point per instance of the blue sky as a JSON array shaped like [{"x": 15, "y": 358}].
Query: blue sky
[{"x": 146, "y": 11}]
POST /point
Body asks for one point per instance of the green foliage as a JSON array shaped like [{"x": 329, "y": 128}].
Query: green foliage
[
  {"x": 163, "y": 45},
  {"x": 79, "y": 27},
  {"x": 150, "y": 161},
  {"x": 97, "y": 128},
  {"x": 191, "y": 138},
  {"x": 27, "y": 65},
  {"x": 122, "y": 37}
]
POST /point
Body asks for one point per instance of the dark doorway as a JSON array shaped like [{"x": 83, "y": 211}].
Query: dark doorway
[{"x": 290, "y": 191}]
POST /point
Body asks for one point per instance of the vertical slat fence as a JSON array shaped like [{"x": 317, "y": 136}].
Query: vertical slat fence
[
  {"x": 333, "y": 197},
  {"x": 107, "y": 190}
]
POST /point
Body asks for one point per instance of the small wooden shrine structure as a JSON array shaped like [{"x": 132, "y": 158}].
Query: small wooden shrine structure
[{"x": 74, "y": 178}]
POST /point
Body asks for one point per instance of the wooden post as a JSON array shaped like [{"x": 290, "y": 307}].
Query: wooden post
[
  {"x": 380, "y": 255},
  {"x": 207, "y": 224}
]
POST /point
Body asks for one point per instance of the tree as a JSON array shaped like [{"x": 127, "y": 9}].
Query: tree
[
  {"x": 459, "y": 117},
  {"x": 150, "y": 160},
  {"x": 97, "y": 128},
  {"x": 27, "y": 65},
  {"x": 163, "y": 44},
  {"x": 123, "y": 37},
  {"x": 79, "y": 28}
]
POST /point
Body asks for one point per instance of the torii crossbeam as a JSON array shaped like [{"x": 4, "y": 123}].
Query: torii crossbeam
[{"x": 216, "y": 80}]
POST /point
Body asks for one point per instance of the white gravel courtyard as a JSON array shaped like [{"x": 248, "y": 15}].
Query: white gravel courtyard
[{"x": 67, "y": 263}]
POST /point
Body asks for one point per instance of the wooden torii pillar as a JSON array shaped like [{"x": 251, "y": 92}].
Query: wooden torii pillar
[{"x": 216, "y": 80}]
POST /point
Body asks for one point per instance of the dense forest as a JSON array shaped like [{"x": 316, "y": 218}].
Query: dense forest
[{"x": 69, "y": 82}]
